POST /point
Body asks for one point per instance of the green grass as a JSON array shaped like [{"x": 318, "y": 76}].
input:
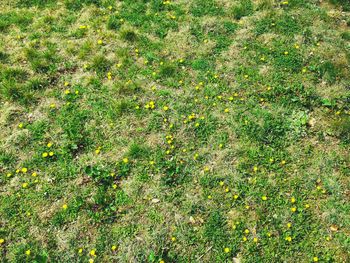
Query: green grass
[{"x": 174, "y": 131}]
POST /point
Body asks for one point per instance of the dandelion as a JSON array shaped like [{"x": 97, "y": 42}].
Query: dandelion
[
  {"x": 49, "y": 145},
  {"x": 293, "y": 209},
  {"x": 91, "y": 260},
  {"x": 24, "y": 185},
  {"x": 246, "y": 231},
  {"x": 100, "y": 42},
  {"x": 2, "y": 241},
  {"x": 67, "y": 91},
  {"x": 34, "y": 174},
  {"x": 51, "y": 153},
  {"x": 125, "y": 160},
  {"x": 80, "y": 251},
  {"x": 24, "y": 170},
  {"x": 28, "y": 252},
  {"x": 20, "y": 125},
  {"x": 255, "y": 239},
  {"x": 173, "y": 239},
  {"x": 227, "y": 110},
  {"x": 264, "y": 197},
  {"x": 292, "y": 200},
  {"x": 165, "y": 108},
  {"x": 288, "y": 238},
  {"x": 227, "y": 250},
  {"x": 315, "y": 259},
  {"x": 210, "y": 197},
  {"x": 64, "y": 206},
  {"x": 45, "y": 154},
  {"x": 93, "y": 252},
  {"x": 114, "y": 248},
  {"x": 235, "y": 196}
]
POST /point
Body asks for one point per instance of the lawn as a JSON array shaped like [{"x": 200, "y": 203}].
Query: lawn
[{"x": 174, "y": 131}]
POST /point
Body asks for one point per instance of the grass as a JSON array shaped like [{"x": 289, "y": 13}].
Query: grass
[{"x": 174, "y": 131}]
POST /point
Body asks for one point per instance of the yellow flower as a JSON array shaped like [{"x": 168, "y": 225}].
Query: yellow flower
[
  {"x": 114, "y": 248},
  {"x": 161, "y": 261},
  {"x": 246, "y": 231},
  {"x": 165, "y": 108},
  {"x": 227, "y": 250},
  {"x": 125, "y": 160},
  {"x": 244, "y": 239},
  {"x": 91, "y": 260},
  {"x": 20, "y": 125},
  {"x": 173, "y": 239},
  {"x": 45, "y": 154},
  {"x": 289, "y": 225},
  {"x": 34, "y": 174},
  {"x": 65, "y": 206},
  {"x": 49, "y": 144},
  {"x": 100, "y": 42},
  {"x": 289, "y": 239},
  {"x": 28, "y": 252},
  {"x": 97, "y": 151},
  {"x": 227, "y": 110},
  {"x": 51, "y": 153},
  {"x": 25, "y": 185},
  {"x": 286, "y": 52},
  {"x": 292, "y": 200},
  {"x": 236, "y": 196},
  {"x": 115, "y": 186},
  {"x": 2, "y": 241},
  {"x": 255, "y": 168},
  {"x": 93, "y": 252},
  {"x": 80, "y": 251},
  {"x": 67, "y": 91},
  {"x": 293, "y": 209},
  {"x": 24, "y": 170},
  {"x": 315, "y": 259},
  {"x": 255, "y": 239},
  {"x": 210, "y": 197},
  {"x": 264, "y": 197}
]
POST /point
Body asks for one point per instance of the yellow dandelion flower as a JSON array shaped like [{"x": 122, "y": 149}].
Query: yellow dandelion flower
[
  {"x": 264, "y": 197},
  {"x": 28, "y": 252},
  {"x": 315, "y": 259},
  {"x": 114, "y": 248},
  {"x": 45, "y": 154},
  {"x": 2, "y": 241},
  {"x": 20, "y": 125},
  {"x": 24, "y": 170},
  {"x": 125, "y": 160},
  {"x": 100, "y": 42},
  {"x": 173, "y": 239},
  {"x": 93, "y": 252},
  {"x": 227, "y": 250},
  {"x": 24, "y": 185},
  {"x": 64, "y": 206},
  {"x": 51, "y": 153},
  {"x": 288, "y": 238}
]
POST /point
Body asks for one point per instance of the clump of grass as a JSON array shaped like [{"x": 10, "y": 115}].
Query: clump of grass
[
  {"x": 128, "y": 35},
  {"x": 100, "y": 64},
  {"x": 114, "y": 22},
  {"x": 244, "y": 8},
  {"x": 23, "y": 20}
]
